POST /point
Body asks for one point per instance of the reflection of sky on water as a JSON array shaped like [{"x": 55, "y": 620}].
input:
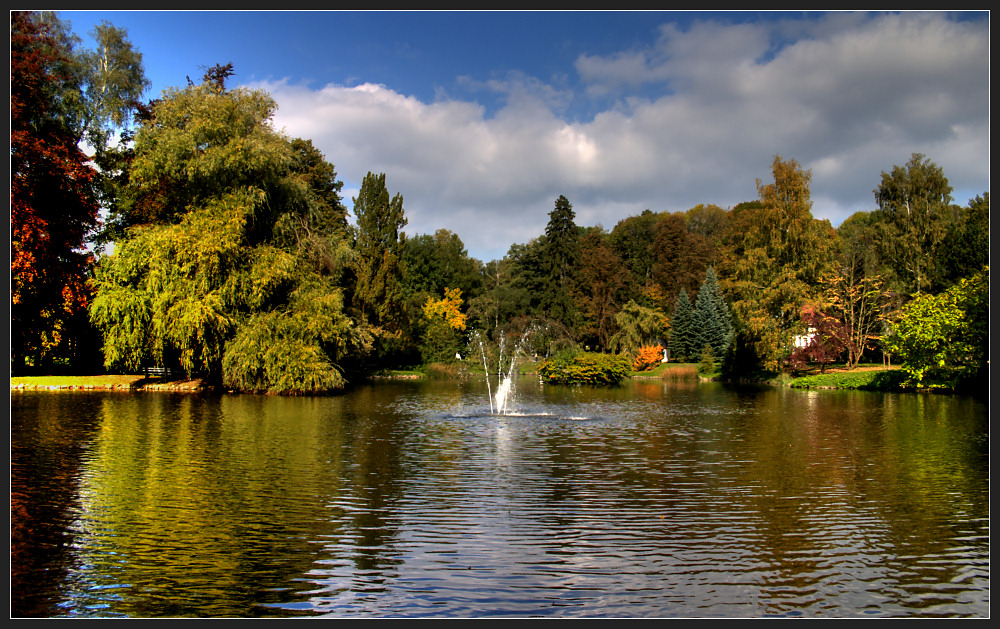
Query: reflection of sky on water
[{"x": 412, "y": 499}]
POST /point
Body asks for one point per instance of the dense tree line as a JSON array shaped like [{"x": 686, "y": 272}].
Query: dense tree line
[{"x": 233, "y": 257}]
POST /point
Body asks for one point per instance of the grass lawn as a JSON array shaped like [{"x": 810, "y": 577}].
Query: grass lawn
[
  {"x": 864, "y": 377},
  {"x": 96, "y": 382}
]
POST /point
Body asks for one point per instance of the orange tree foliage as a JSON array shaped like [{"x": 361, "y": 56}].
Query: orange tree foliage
[
  {"x": 648, "y": 357},
  {"x": 52, "y": 200}
]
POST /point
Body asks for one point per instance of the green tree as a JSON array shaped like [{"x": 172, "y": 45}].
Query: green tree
[
  {"x": 773, "y": 257},
  {"x": 683, "y": 335},
  {"x": 320, "y": 178},
  {"x": 965, "y": 247},
  {"x": 913, "y": 205},
  {"x": 711, "y": 321},
  {"x": 943, "y": 339},
  {"x": 531, "y": 278},
  {"x": 114, "y": 81},
  {"x": 222, "y": 279},
  {"x": 435, "y": 262},
  {"x": 561, "y": 252},
  {"x": 380, "y": 243},
  {"x": 632, "y": 239},
  {"x": 858, "y": 246},
  {"x": 637, "y": 326},
  {"x": 500, "y": 298}
]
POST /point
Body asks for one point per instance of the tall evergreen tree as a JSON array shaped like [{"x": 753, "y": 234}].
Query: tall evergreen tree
[
  {"x": 562, "y": 254},
  {"x": 683, "y": 342},
  {"x": 713, "y": 324}
]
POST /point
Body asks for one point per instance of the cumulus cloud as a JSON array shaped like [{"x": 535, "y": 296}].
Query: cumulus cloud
[{"x": 694, "y": 117}]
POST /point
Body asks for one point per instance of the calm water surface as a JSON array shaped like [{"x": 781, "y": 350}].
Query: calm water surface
[{"x": 409, "y": 499}]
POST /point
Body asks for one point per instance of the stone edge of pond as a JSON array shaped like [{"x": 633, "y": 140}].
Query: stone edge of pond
[{"x": 180, "y": 385}]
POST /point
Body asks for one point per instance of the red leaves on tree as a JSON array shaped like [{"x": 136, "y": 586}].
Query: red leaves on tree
[
  {"x": 52, "y": 199},
  {"x": 829, "y": 339}
]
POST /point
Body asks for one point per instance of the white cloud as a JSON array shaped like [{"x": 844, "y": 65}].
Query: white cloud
[{"x": 847, "y": 95}]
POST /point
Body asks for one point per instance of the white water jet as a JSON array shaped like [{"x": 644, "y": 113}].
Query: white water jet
[
  {"x": 489, "y": 392},
  {"x": 501, "y": 397},
  {"x": 500, "y": 401}
]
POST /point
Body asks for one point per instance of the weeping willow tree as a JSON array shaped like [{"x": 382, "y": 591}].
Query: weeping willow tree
[
  {"x": 232, "y": 266},
  {"x": 638, "y": 326}
]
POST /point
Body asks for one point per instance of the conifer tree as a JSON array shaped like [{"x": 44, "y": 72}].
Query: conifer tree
[
  {"x": 561, "y": 250},
  {"x": 713, "y": 324},
  {"x": 682, "y": 343}
]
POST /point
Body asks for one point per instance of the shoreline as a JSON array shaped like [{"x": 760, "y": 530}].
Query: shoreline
[
  {"x": 100, "y": 383},
  {"x": 833, "y": 379}
]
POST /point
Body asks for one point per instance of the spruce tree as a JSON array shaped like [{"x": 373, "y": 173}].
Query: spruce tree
[
  {"x": 706, "y": 329},
  {"x": 561, "y": 250},
  {"x": 681, "y": 328},
  {"x": 713, "y": 324}
]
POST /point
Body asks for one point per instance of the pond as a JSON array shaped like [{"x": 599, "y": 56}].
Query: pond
[{"x": 411, "y": 499}]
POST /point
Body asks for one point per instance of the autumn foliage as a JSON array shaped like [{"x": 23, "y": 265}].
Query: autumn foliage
[
  {"x": 447, "y": 310},
  {"x": 647, "y": 357},
  {"x": 443, "y": 321},
  {"x": 52, "y": 201},
  {"x": 830, "y": 339}
]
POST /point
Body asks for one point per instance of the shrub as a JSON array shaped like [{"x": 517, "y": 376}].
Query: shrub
[
  {"x": 573, "y": 367},
  {"x": 943, "y": 339},
  {"x": 648, "y": 357},
  {"x": 707, "y": 360}
]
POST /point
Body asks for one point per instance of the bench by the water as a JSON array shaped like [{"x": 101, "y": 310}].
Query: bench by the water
[{"x": 161, "y": 372}]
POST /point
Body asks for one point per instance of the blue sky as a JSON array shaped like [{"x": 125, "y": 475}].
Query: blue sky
[{"x": 481, "y": 119}]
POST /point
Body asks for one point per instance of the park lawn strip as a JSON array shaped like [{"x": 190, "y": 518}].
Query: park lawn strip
[
  {"x": 76, "y": 382},
  {"x": 867, "y": 380}
]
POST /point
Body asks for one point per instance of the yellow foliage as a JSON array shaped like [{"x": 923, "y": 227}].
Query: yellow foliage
[{"x": 447, "y": 309}]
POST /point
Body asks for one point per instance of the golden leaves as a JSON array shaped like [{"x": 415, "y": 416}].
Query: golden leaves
[{"x": 447, "y": 309}]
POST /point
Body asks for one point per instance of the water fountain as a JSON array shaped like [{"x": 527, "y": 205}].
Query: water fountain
[{"x": 505, "y": 373}]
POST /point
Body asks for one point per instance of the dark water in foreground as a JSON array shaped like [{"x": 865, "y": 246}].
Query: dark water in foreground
[{"x": 409, "y": 499}]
